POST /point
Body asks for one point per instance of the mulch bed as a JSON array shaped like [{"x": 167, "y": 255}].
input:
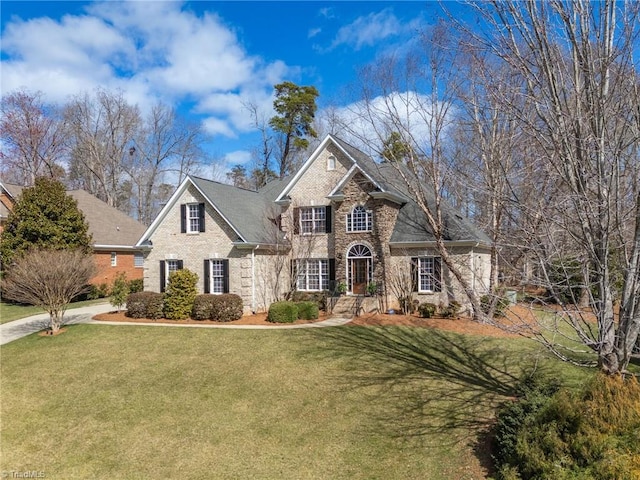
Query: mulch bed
[
  {"x": 459, "y": 325},
  {"x": 257, "y": 319}
]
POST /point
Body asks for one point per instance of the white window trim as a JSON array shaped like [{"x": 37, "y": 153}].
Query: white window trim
[
  {"x": 189, "y": 218},
  {"x": 323, "y": 272},
  {"x": 431, "y": 275},
  {"x": 314, "y": 220},
  {"x": 136, "y": 256},
  {"x": 368, "y": 220},
  {"x": 216, "y": 261},
  {"x": 331, "y": 162},
  {"x": 167, "y": 269},
  {"x": 114, "y": 259}
]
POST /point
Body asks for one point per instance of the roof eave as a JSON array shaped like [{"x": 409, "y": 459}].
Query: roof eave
[{"x": 433, "y": 243}]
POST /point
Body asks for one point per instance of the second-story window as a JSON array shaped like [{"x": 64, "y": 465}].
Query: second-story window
[
  {"x": 192, "y": 217},
  {"x": 359, "y": 220},
  {"x": 313, "y": 220}
]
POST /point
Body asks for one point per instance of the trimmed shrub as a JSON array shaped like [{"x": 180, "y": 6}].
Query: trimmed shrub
[
  {"x": 427, "y": 310},
  {"x": 320, "y": 298},
  {"x": 282, "y": 312},
  {"x": 308, "y": 310},
  {"x": 226, "y": 307},
  {"x": 222, "y": 308},
  {"x": 451, "y": 310},
  {"x": 180, "y": 294},
  {"x": 145, "y": 305},
  {"x": 136, "y": 285},
  {"x": 202, "y": 306},
  {"x": 502, "y": 303}
]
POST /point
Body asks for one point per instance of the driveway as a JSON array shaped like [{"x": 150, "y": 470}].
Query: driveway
[{"x": 26, "y": 326}]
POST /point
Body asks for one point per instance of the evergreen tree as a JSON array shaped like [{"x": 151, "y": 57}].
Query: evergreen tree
[
  {"x": 45, "y": 217},
  {"x": 296, "y": 108}
]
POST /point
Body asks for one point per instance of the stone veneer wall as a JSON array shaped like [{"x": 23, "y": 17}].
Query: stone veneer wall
[{"x": 356, "y": 192}]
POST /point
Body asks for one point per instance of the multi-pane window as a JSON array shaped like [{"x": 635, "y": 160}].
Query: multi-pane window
[
  {"x": 429, "y": 274},
  {"x": 359, "y": 220},
  {"x": 217, "y": 276},
  {"x": 313, "y": 220},
  {"x": 193, "y": 218},
  {"x": 173, "y": 266},
  {"x": 138, "y": 260},
  {"x": 114, "y": 259},
  {"x": 312, "y": 274}
]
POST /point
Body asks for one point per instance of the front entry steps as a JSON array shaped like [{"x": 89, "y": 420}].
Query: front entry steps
[{"x": 354, "y": 305}]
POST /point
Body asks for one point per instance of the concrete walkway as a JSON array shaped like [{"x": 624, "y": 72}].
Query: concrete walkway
[{"x": 26, "y": 326}]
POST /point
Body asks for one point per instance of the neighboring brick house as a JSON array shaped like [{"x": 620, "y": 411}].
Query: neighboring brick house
[
  {"x": 339, "y": 219},
  {"x": 114, "y": 234}
]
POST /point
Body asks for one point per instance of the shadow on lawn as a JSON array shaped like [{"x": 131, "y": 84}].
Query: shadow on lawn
[{"x": 422, "y": 381}]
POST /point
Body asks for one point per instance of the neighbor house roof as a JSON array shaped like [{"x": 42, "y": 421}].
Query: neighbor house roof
[{"x": 109, "y": 227}]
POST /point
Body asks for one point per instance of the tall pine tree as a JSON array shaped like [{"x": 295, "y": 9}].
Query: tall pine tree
[{"x": 44, "y": 216}]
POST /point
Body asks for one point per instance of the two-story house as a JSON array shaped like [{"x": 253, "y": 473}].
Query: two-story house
[{"x": 341, "y": 219}]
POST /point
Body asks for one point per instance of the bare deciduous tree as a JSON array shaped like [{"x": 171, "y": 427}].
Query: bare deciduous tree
[
  {"x": 49, "y": 279},
  {"x": 392, "y": 102},
  {"x": 33, "y": 141},
  {"x": 101, "y": 130},
  {"x": 579, "y": 109}
]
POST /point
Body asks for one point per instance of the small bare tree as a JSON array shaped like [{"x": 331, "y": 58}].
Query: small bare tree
[{"x": 49, "y": 279}]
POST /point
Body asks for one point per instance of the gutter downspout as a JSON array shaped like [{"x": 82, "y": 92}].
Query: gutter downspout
[{"x": 253, "y": 278}]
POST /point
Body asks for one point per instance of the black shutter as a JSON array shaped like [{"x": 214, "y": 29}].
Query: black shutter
[
  {"x": 207, "y": 272},
  {"x": 225, "y": 273},
  {"x": 414, "y": 274},
  {"x": 180, "y": 264},
  {"x": 328, "y": 219},
  {"x": 296, "y": 220},
  {"x": 437, "y": 274},
  {"x": 294, "y": 274},
  {"x": 332, "y": 273},
  {"x": 201, "y": 216},
  {"x": 163, "y": 278},
  {"x": 183, "y": 218}
]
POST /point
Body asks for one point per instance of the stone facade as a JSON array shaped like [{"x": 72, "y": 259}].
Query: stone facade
[{"x": 261, "y": 273}]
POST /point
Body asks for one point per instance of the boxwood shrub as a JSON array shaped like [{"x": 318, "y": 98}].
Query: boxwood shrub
[
  {"x": 145, "y": 305},
  {"x": 202, "y": 306},
  {"x": 308, "y": 310},
  {"x": 427, "y": 310},
  {"x": 282, "y": 312},
  {"x": 226, "y": 307}
]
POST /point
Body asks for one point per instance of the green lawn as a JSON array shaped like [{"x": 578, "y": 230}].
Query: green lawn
[
  {"x": 10, "y": 311},
  {"x": 105, "y": 402}
]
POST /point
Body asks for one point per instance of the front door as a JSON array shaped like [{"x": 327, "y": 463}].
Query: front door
[{"x": 359, "y": 275}]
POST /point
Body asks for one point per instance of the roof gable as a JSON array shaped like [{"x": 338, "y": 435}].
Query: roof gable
[{"x": 245, "y": 211}]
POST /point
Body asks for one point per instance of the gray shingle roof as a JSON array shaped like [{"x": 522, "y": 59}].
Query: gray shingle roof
[
  {"x": 249, "y": 212},
  {"x": 107, "y": 225},
  {"x": 411, "y": 224}
]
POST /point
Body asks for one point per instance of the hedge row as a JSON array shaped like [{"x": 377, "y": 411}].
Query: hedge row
[{"x": 222, "y": 308}]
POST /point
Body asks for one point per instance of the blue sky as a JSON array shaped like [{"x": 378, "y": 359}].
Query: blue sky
[{"x": 205, "y": 58}]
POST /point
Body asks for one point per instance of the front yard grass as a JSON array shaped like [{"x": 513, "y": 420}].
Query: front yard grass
[
  {"x": 106, "y": 402},
  {"x": 12, "y": 311}
]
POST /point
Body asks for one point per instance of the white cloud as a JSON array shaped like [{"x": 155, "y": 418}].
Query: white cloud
[
  {"x": 313, "y": 32},
  {"x": 368, "y": 30},
  {"x": 366, "y": 124},
  {"x": 239, "y": 157},
  {"x": 150, "y": 50}
]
